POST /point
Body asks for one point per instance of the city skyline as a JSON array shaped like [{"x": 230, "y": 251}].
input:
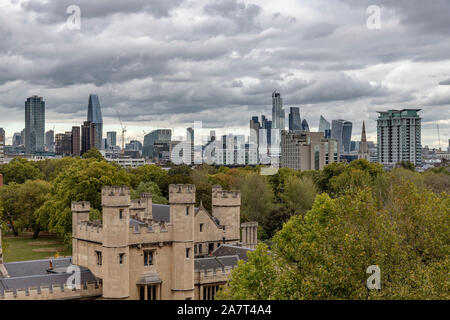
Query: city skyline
[{"x": 220, "y": 69}]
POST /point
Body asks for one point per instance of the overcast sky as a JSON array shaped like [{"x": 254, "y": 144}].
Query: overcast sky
[{"x": 168, "y": 63}]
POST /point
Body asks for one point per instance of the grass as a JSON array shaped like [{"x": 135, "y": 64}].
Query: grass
[{"x": 21, "y": 248}]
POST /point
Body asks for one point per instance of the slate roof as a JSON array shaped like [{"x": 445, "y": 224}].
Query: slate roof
[
  {"x": 230, "y": 250},
  {"x": 29, "y": 274},
  {"x": 215, "y": 262}
]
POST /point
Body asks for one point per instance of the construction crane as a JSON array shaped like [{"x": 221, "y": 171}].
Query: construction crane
[
  {"x": 439, "y": 135},
  {"x": 124, "y": 129}
]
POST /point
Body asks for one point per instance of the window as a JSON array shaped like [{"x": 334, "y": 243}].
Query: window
[
  {"x": 201, "y": 227},
  {"x": 187, "y": 211},
  {"x": 121, "y": 214},
  {"x": 195, "y": 249},
  {"x": 188, "y": 252},
  {"x": 151, "y": 292},
  {"x": 99, "y": 257},
  {"x": 148, "y": 258},
  {"x": 121, "y": 255},
  {"x": 200, "y": 248},
  {"x": 210, "y": 248}
]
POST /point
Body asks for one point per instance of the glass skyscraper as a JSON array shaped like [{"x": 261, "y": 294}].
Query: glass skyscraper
[
  {"x": 305, "y": 125},
  {"x": 325, "y": 127},
  {"x": 95, "y": 117},
  {"x": 341, "y": 130},
  {"x": 294, "y": 119},
  {"x": 278, "y": 115},
  {"x": 34, "y": 125}
]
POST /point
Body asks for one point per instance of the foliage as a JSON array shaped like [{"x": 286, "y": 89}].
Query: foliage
[
  {"x": 151, "y": 187},
  {"x": 20, "y": 170},
  {"x": 325, "y": 254},
  {"x": 93, "y": 154}
]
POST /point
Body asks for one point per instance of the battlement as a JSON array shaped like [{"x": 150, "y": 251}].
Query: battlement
[
  {"x": 90, "y": 231},
  {"x": 81, "y": 206},
  {"x": 213, "y": 275},
  {"x": 150, "y": 232},
  {"x": 225, "y": 198},
  {"x": 146, "y": 195},
  {"x": 116, "y": 196},
  {"x": 138, "y": 204},
  {"x": 87, "y": 290},
  {"x": 182, "y": 193}
]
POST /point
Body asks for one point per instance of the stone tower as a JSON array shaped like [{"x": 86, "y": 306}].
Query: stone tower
[
  {"x": 80, "y": 213},
  {"x": 363, "y": 152},
  {"x": 182, "y": 201},
  {"x": 226, "y": 206},
  {"x": 115, "y": 251}
]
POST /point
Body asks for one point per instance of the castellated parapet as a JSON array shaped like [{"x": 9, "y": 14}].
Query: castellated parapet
[
  {"x": 225, "y": 198},
  {"x": 81, "y": 206},
  {"x": 115, "y": 196},
  {"x": 182, "y": 194}
]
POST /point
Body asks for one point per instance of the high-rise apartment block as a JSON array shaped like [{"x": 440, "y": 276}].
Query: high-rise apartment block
[
  {"x": 63, "y": 144},
  {"x": 76, "y": 141},
  {"x": 34, "y": 125},
  {"x": 87, "y": 136},
  {"x": 399, "y": 136}
]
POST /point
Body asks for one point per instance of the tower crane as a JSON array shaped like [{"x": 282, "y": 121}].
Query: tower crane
[{"x": 124, "y": 129}]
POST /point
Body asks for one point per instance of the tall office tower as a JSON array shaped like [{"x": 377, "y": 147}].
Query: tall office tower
[
  {"x": 305, "y": 125},
  {"x": 188, "y": 157},
  {"x": 95, "y": 116},
  {"x": 34, "y": 125},
  {"x": 17, "y": 139},
  {"x": 325, "y": 127},
  {"x": 363, "y": 152},
  {"x": 341, "y": 130},
  {"x": 295, "y": 123},
  {"x": 111, "y": 137},
  {"x": 2, "y": 131},
  {"x": 22, "y": 137},
  {"x": 267, "y": 125},
  {"x": 307, "y": 150},
  {"x": 134, "y": 145},
  {"x": 2, "y": 145},
  {"x": 87, "y": 136},
  {"x": 278, "y": 116},
  {"x": 156, "y": 143},
  {"x": 76, "y": 141},
  {"x": 399, "y": 136},
  {"x": 63, "y": 144},
  {"x": 254, "y": 130},
  {"x": 50, "y": 141}
]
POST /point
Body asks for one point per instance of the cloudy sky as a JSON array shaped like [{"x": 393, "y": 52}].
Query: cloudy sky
[{"x": 168, "y": 63}]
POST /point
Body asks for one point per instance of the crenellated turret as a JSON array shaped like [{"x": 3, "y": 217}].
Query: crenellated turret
[
  {"x": 116, "y": 222},
  {"x": 226, "y": 207}
]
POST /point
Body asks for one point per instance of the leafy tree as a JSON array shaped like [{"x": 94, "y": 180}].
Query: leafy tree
[
  {"x": 9, "y": 198},
  {"x": 257, "y": 198},
  {"x": 325, "y": 254},
  {"x": 299, "y": 194},
  {"x": 150, "y": 173},
  {"x": 93, "y": 154},
  {"x": 20, "y": 170},
  {"x": 30, "y": 197},
  {"x": 408, "y": 165},
  {"x": 149, "y": 187},
  {"x": 82, "y": 181}
]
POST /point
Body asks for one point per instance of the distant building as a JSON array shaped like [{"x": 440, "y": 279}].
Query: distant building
[
  {"x": 87, "y": 136},
  {"x": 188, "y": 157},
  {"x": 341, "y": 130},
  {"x": 34, "y": 125},
  {"x": 307, "y": 150},
  {"x": 363, "y": 152},
  {"x": 295, "y": 123},
  {"x": 157, "y": 144},
  {"x": 50, "y": 141},
  {"x": 399, "y": 137},
  {"x": 76, "y": 141},
  {"x": 95, "y": 117},
  {"x": 267, "y": 125},
  {"x": 134, "y": 145},
  {"x": 17, "y": 139},
  {"x": 305, "y": 126},
  {"x": 325, "y": 127},
  {"x": 2, "y": 150},
  {"x": 63, "y": 144},
  {"x": 278, "y": 115},
  {"x": 111, "y": 138}
]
